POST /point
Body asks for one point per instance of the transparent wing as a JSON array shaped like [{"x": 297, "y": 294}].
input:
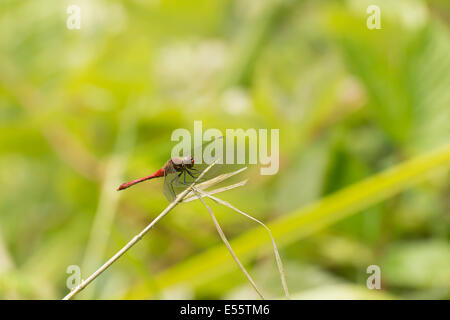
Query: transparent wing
[
  {"x": 168, "y": 189},
  {"x": 209, "y": 152}
]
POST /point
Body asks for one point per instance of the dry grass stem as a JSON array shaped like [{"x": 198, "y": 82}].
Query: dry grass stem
[
  {"x": 133, "y": 241},
  {"x": 211, "y": 182},
  {"x": 227, "y": 244},
  {"x": 219, "y": 190},
  {"x": 277, "y": 255}
]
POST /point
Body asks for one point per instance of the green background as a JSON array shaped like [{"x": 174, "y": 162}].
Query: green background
[{"x": 364, "y": 146}]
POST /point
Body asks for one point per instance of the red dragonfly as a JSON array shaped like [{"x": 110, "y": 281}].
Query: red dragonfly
[{"x": 178, "y": 173}]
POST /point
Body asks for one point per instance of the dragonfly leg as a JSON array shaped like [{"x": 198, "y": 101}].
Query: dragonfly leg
[
  {"x": 194, "y": 174},
  {"x": 184, "y": 177},
  {"x": 190, "y": 173},
  {"x": 176, "y": 177}
]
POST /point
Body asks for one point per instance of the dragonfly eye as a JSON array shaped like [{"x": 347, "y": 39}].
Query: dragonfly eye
[{"x": 192, "y": 160}]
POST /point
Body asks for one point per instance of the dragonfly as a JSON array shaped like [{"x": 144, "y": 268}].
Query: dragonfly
[{"x": 180, "y": 172}]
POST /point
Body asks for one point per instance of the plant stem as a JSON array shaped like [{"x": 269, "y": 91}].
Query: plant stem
[
  {"x": 227, "y": 244},
  {"x": 275, "y": 249},
  {"x": 133, "y": 241}
]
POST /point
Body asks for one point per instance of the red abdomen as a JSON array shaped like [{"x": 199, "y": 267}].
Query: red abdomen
[{"x": 157, "y": 174}]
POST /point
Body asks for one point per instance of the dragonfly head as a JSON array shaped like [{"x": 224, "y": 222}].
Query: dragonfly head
[{"x": 188, "y": 161}]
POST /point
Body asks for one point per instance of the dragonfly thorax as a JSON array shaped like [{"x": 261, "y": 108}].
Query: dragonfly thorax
[{"x": 182, "y": 163}]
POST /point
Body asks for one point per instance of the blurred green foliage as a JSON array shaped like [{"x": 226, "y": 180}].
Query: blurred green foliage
[{"x": 364, "y": 145}]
